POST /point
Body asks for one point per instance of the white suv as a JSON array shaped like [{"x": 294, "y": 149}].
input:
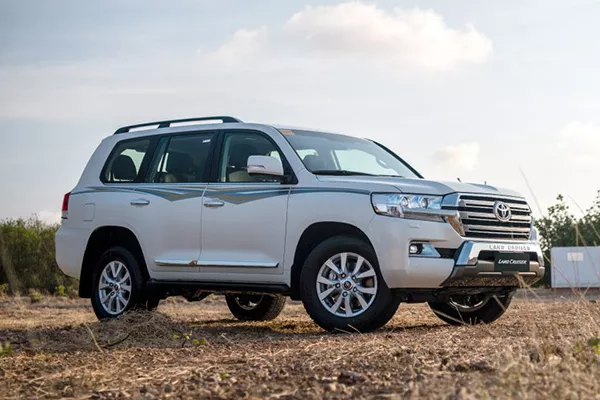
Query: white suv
[{"x": 259, "y": 213}]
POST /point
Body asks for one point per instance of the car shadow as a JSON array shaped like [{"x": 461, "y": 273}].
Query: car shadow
[{"x": 157, "y": 330}]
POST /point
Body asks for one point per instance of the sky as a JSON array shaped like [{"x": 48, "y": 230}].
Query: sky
[{"x": 504, "y": 92}]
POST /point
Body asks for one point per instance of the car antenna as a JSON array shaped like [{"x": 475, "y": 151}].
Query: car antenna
[{"x": 458, "y": 179}]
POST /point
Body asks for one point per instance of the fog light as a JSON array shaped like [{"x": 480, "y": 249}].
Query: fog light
[
  {"x": 422, "y": 250},
  {"x": 413, "y": 249}
]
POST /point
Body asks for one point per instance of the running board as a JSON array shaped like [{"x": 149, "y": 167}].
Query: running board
[{"x": 171, "y": 288}]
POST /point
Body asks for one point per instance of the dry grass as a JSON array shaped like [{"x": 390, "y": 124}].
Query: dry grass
[{"x": 537, "y": 350}]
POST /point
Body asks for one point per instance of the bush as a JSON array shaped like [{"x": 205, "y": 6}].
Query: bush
[
  {"x": 60, "y": 291},
  {"x": 27, "y": 258},
  {"x": 5, "y": 349},
  {"x": 35, "y": 296}
]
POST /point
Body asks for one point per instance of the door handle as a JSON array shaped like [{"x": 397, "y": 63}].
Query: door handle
[
  {"x": 213, "y": 203},
  {"x": 139, "y": 202}
]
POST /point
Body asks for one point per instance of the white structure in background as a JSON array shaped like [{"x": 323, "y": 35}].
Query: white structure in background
[{"x": 575, "y": 267}]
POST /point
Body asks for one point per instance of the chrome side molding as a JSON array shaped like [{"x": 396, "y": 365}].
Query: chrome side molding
[
  {"x": 238, "y": 264},
  {"x": 229, "y": 264},
  {"x": 176, "y": 263}
]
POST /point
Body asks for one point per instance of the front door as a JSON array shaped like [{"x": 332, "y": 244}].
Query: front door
[{"x": 243, "y": 217}]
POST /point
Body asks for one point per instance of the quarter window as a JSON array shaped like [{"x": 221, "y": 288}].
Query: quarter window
[
  {"x": 126, "y": 161},
  {"x": 182, "y": 159}
]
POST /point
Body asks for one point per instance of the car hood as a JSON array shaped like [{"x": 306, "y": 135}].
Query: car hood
[{"x": 423, "y": 186}]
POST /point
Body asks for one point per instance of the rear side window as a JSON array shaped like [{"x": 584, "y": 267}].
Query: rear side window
[
  {"x": 125, "y": 162},
  {"x": 182, "y": 159}
]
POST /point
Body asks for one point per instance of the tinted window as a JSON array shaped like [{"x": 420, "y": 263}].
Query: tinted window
[
  {"x": 182, "y": 158},
  {"x": 237, "y": 147},
  {"x": 126, "y": 161}
]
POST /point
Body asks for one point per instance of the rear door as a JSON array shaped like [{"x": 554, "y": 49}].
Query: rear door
[
  {"x": 164, "y": 208},
  {"x": 243, "y": 217}
]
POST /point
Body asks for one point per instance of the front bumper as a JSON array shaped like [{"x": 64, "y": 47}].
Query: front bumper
[
  {"x": 474, "y": 265},
  {"x": 470, "y": 265}
]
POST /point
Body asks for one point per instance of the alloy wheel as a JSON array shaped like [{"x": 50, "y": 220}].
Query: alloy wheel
[
  {"x": 468, "y": 302},
  {"x": 347, "y": 285},
  {"x": 114, "y": 288},
  {"x": 248, "y": 301}
]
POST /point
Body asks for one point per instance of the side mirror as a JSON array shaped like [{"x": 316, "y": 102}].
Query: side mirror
[{"x": 265, "y": 165}]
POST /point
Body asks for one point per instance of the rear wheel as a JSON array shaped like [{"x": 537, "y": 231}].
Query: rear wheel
[
  {"x": 117, "y": 283},
  {"x": 342, "y": 288},
  {"x": 472, "y": 309},
  {"x": 255, "y": 307}
]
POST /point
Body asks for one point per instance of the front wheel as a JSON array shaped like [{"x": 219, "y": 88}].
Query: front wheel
[
  {"x": 255, "y": 307},
  {"x": 472, "y": 309},
  {"x": 342, "y": 288}
]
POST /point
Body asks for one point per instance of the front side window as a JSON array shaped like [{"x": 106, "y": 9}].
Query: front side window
[
  {"x": 332, "y": 154},
  {"x": 126, "y": 161},
  {"x": 237, "y": 148},
  {"x": 182, "y": 159}
]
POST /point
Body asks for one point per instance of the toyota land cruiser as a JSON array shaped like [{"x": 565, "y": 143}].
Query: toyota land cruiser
[{"x": 260, "y": 213}]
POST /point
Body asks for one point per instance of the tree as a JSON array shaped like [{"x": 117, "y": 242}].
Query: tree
[{"x": 560, "y": 228}]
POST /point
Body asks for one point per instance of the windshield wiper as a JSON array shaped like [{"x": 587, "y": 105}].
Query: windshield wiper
[{"x": 339, "y": 172}]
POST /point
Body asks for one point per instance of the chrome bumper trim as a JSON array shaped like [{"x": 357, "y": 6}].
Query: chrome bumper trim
[{"x": 470, "y": 250}]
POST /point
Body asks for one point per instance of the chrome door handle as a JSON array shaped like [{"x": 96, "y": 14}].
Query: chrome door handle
[
  {"x": 213, "y": 203},
  {"x": 139, "y": 202}
]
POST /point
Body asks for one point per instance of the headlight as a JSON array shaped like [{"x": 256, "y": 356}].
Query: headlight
[{"x": 416, "y": 206}]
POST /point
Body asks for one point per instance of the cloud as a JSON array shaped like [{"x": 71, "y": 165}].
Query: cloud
[
  {"x": 315, "y": 48},
  {"x": 49, "y": 217},
  {"x": 590, "y": 105},
  {"x": 402, "y": 37},
  {"x": 579, "y": 144},
  {"x": 460, "y": 157},
  {"x": 243, "y": 43}
]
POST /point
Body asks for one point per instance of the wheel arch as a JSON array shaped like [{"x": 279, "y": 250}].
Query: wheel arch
[
  {"x": 103, "y": 238},
  {"x": 312, "y": 236}
]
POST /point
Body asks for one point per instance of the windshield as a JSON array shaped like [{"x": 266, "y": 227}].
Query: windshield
[{"x": 332, "y": 154}]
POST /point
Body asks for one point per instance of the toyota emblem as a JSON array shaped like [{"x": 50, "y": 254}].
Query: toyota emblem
[{"x": 502, "y": 211}]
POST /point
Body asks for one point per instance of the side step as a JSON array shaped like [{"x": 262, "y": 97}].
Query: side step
[{"x": 175, "y": 288}]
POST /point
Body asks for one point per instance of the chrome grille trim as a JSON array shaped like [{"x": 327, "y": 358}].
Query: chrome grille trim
[
  {"x": 490, "y": 204},
  {"x": 482, "y": 228},
  {"x": 478, "y": 220},
  {"x": 485, "y": 216}
]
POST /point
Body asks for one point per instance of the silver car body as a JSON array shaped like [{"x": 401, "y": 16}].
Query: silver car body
[{"x": 249, "y": 232}]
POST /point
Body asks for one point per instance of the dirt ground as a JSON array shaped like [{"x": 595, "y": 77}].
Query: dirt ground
[{"x": 539, "y": 349}]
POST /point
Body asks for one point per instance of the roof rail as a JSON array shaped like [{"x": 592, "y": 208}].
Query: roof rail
[{"x": 166, "y": 124}]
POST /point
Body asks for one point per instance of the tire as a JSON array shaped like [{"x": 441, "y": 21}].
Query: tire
[
  {"x": 483, "y": 310},
  {"x": 255, "y": 307},
  {"x": 380, "y": 306},
  {"x": 115, "y": 261}
]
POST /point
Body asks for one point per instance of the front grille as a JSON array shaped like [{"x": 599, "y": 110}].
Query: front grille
[{"x": 479, "y": 221}]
